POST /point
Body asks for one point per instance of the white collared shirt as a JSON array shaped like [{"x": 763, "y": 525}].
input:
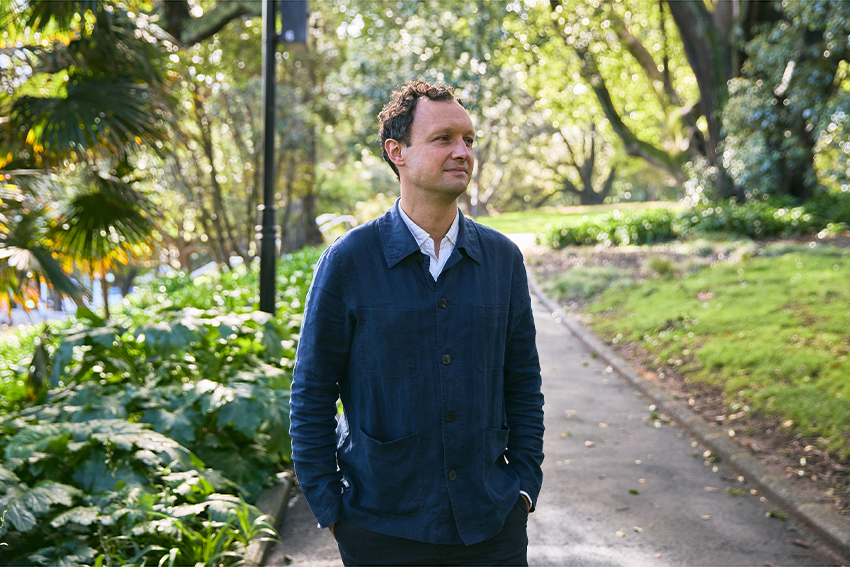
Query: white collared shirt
[{"x": 426, "y": 243}]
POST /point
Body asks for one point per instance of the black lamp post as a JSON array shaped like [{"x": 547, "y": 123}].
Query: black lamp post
[{"x": 294, "y": 18}]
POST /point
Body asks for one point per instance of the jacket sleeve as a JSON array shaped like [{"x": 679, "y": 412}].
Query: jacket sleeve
[
  {"x": 523, "y": 396},
  {"x": 321, "y": 362}
]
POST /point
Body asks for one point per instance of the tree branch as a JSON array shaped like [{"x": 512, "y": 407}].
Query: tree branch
[{"x": 189, "y": 30}]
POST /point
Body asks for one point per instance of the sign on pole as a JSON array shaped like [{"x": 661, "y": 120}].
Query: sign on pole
[{"x": 294, "y": 15}]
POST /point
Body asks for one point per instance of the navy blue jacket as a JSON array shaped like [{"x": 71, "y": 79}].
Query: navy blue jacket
[{"x": 439, "y": 381}]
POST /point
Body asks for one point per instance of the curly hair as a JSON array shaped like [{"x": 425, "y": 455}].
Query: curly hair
[{"x": 396, "y": 118}]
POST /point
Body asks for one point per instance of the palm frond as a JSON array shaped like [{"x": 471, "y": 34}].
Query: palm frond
[
  {"x": 98, "y": 117},
  {"x": 108, "y": 224},
  {"x": 27, "y": 259}
]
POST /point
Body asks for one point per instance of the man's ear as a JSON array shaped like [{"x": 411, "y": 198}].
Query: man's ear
[{"x": 394, "y": 151}]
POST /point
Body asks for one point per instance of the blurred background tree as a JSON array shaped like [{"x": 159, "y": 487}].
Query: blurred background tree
[{"x": 152, "y": 106}]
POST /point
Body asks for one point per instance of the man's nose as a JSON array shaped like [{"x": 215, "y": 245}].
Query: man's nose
[{"x": 462, "y": 151}]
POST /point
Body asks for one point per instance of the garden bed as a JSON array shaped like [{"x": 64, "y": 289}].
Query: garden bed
[{"x": 803, "y": 439}]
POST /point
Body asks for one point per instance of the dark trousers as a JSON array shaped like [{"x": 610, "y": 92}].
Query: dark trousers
[{"x": 361, "y": 548}]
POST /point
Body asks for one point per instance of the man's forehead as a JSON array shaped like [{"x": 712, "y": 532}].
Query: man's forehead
[{"x": 441, "y": 115}]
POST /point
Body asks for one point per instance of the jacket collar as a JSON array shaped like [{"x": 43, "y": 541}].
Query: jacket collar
[{"x": 398, "y": 243}]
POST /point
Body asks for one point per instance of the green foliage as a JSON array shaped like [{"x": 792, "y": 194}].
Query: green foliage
[
  {"x": 618, "y": 228},
  {"x": 156, "y": 429},
  {"x": 770, "y": 331},
  {"x": 771, "y": 217},
  {"x": 756, "y": 219},
  {"x": 826, "y": 213},
  {"x": 789, "y": 105}
]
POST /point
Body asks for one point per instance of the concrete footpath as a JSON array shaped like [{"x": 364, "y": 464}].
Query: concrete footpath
[{"x": 622, "y": 487}]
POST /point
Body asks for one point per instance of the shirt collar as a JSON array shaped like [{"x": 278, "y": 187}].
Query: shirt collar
[
  {"x": 398, "y": 241},
  {"x": 421, "y": 236}
]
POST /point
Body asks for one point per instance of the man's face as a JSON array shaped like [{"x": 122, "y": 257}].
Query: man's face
[{"x": 439, "y": 159}]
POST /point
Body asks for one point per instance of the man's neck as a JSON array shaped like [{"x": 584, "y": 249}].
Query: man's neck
[{"x": 434, "y": 218}]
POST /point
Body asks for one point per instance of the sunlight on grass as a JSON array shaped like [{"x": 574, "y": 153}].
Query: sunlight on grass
[{"x": 770, "y": 331}]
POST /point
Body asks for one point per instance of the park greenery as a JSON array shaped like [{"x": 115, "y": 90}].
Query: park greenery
[
  {"x": 131, "y": 145},
  {"x": 823, "y": 214},
  {"x": 132, "y": 138},
  {"x": 146, "y": 439},
  {"x": 754, "y": 320}
]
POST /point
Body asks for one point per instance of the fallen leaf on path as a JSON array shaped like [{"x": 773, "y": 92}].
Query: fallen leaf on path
[
  {"x": 801, "y": 543},
  {"x": 705, "y": 517},
  {"x": 711, "y": 489},
  {"x": 638, "y": 529},
  {"x": 589, "y": 444},
  {"x": 603, "y": 425},
  {"x": 621, "y": 533},
  {"x": 771, "y": 565}
]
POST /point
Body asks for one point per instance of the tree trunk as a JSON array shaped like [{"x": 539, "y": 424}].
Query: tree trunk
[
  {"x": 710, "y": 57},
  {"x": 217, "y": 192},
  {"x": 190, "y": 30},
  {"x": 311, "y": 229},
  {"x": 104, "y": 287}
]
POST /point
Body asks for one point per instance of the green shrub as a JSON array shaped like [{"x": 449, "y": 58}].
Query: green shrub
[
  {"x": 830, "y": 208},
  {"x": 754, "y": 219},
  {"x": 151, "y": 432},
  {"x": 773, "y": 217},
  {"x": 661, "y": 266},
  {"x": 618, "y": 228},
  {"x": 778, "y": 216}
]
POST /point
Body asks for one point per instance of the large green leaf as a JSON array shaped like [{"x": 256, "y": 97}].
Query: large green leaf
[
  {"x": 178, "y": 424},
  {"x": 68, "y": 554},
  {"x": 27, "y": 256},
  {"x": 100, "y": 116},
  {"x": 95, "y": 475},
  {"x": 244, "y": 412},
  {"x": 7, "y": 477},
  {"x": 24, "y": 505},
  {"x": 165, "y": 338},
  {"x": 35, "y": 439},
  {"x": 80, "y": 515},
  {"x": 104, "y": 224}
]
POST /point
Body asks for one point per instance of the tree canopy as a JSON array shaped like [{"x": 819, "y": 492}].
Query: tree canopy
[{"x": 575, "y": 101}]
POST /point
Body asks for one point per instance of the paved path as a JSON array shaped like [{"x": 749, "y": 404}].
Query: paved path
[{"x": 617, "y": 490}]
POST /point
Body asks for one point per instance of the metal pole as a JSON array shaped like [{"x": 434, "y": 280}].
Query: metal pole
[{"x": 268, "y": 241}]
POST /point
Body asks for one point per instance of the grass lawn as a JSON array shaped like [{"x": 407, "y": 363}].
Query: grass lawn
[
  {"x": 534, "y": 220},
  {"x": 767, "y": 326}
]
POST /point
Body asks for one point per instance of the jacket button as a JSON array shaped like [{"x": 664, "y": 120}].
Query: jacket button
[
  {"x": 446, "y": 359},
  {"x": 450, "y": 417},
  {"x": 443, "y": 303},
  {"x": 452, "y": 475}
]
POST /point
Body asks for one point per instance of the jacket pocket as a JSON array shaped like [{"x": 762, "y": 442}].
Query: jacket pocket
[
  {"x": 490, "y": 328},
  {"x": 501, "y": 482},
  {"x": 388, "y": 476},
  {"x": 388, "y": 342}
]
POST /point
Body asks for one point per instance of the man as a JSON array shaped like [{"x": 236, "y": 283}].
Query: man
[{"x": 421, "y": 323}]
